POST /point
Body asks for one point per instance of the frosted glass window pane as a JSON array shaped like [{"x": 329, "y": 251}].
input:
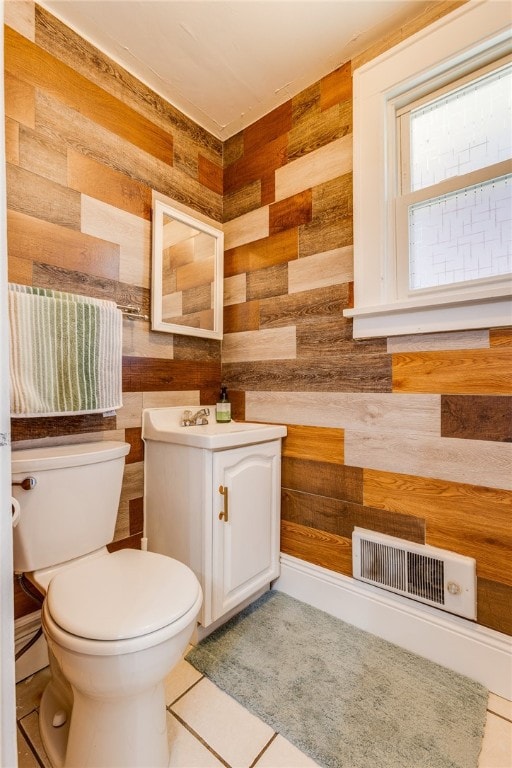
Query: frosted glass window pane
[
  {"x": 466, "y": 235},
  {"x": 468, "y": 129}
]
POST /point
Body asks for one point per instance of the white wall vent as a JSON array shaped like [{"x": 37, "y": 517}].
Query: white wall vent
[{"x": 434, "y": 576}]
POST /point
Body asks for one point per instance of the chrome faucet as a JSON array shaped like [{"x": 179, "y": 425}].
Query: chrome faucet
[{"x": 200, "y": 417}]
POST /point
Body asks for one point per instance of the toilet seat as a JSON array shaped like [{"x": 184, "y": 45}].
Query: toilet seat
[{"x": 122, "y": 596}]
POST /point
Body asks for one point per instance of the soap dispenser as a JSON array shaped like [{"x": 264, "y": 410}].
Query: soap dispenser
[{"x": 223, "y": 408}]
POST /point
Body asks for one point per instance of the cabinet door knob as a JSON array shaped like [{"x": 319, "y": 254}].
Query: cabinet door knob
[{"x": 224, "y": 514}]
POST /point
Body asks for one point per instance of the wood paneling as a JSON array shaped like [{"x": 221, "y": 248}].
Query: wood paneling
[
  {"x": 59, "y": 40},
  {"x": 20, "y": 103},
  {"x": 38, "y": 68},
  {"x": 428, "y": 342},
  {"x": 336, "y": 87},
  {"x": 48, "y": 276},
  {"x": 73, "y": 110},
  {"x": 19, "y": 270},
  {"x": 267, "y": 128},
  {"x": 130, "y": 542},
  {"x": 42, "y": 156},
  {"x": 210, "y": 174},
  {"x": 321, "y": 269},
  {"x": 290, "y": 212},
  {"x": 404, "y": 414},
  {"x": 133, "y": 436},
  {"x": 196, "y": 348},
  {"x": 133, "y": 482},
  {"x": 33, "y": 195},
  {"x": 442, "y": 424},
  {"x": 331, "y": 225},
  {"x": 137, "y": 342},
  {"x": 55, "y": 426},
  {"x": 247, "y": 228},
  {"x": 334, "y": 335},
  {"x": 266, "y": 252},
  {"x": 494, "y": 605},
  {"x": 270, "y": 281},
  {"x": 242, "y": 317},
  {"x": 136, "y": 516},
  {"x": 44, "y": 242},
  {"x": 23, "y": 604},
  {"x": 237, "y": 399},
  {"x": 233, "y": 148},
  {"x": 255, "y": 165},
  {"x": 340, "y": 517},
  {"x": 235, "y": 290},
  {"x": 468, "y": 519},
  {"x": 479, "y": 372},
  {"x": 141, "y": 374},
  {"x": 315, "y": 168},
  {"x": 314, "y": 127},
  {"x": 130, "y": 232},
  {"x": 242, "y": 201},
  {"x": 89, "y": 137},
  {"x": 110, "y": 186},
  {"x": 12, "y": 142},
  {"x": 463, "y": 461},
  {"x": 267, "y": 344},
  {"x": 20, "y": 16},
  {"x": 477, "y": 417},
  {"x": 308, "y": 305},
  {"x": 347, "y": 373},
  {"x": 315, "y": 443},
  {"x": 317, "y": 547},
  {"x": 323, "y": 479},
  {"x": 87, "y": 144},
  {"x": 500, "y": 337},
  {"x": 164, "y": 399}
]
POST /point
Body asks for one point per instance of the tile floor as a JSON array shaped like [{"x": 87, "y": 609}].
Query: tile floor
[{"x": 209, "y": 729}]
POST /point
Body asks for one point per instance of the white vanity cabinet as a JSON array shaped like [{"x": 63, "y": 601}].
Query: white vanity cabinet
[
  {"x": 215, "y": 508},
  {"x": 245, "y": 533}
]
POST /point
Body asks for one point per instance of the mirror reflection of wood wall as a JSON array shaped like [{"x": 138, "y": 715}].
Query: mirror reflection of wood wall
[
  {"x": 187, "y": 269},
  {"x": 188, "y": 273}
]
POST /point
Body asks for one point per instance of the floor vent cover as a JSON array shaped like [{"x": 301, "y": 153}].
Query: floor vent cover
[{"x": 434, "y": 576}]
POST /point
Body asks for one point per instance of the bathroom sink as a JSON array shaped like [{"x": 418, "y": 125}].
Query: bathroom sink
[{"x": 163, "y": 425}]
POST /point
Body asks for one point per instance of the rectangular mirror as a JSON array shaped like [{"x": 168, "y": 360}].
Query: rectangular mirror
[{"x": 187, "y": 273}]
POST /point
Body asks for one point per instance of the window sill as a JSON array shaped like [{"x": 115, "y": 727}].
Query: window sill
[{"x": 448, "y": 313}]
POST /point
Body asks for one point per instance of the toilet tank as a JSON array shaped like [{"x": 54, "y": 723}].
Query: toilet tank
[{"x": 72, "y": 508}]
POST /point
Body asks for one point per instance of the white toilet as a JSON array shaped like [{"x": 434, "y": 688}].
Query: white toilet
[{"x": 116, "y": 624}]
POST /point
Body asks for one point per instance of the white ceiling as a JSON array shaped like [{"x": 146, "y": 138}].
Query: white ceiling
[{"x": 226, "y": 63}]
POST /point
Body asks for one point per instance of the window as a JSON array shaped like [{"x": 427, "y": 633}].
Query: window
[
  {"x": 454, "y": 199},
  {"x": 432, "y": 179}
]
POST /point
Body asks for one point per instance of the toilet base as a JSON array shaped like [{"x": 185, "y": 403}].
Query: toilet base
[
  {"x": 109, "y": 694},
  {"x": 54, "y": 739},
  {"x": 140, "y": 721},
  {"x": 114, "y": 706}
]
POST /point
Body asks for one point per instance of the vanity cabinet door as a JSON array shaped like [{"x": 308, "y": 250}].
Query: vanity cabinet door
[{"x": 246, "y": 544}]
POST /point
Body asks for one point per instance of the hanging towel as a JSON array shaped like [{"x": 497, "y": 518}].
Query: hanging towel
[{"x": 66, "y": 353}]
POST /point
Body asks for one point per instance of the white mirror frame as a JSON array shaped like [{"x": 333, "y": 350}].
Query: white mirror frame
[{"x": 161, "y": 209}]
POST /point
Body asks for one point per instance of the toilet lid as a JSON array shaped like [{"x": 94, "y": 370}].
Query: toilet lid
[{"x": 125, "y": 594}]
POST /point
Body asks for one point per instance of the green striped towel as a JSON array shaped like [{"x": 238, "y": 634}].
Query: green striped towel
[{"x": 66, "y": 353}]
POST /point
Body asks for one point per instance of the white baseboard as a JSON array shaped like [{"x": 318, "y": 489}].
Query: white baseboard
[
  {"x": 36, "y": 657},
  {"x": 470, "y": 649}
]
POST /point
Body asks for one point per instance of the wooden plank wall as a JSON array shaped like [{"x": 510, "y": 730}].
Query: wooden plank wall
[
  {"x": 86, "y": 145},
  {"x": 409, "y": 436}
]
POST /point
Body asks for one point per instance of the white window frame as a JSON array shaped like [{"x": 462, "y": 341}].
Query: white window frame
[{"x": 470, "y": 37}]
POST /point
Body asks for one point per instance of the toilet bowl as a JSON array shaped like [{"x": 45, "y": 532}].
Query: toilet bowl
[
  {"x": 115, "y": 628},
  {"x": 115, "y": 623}
]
